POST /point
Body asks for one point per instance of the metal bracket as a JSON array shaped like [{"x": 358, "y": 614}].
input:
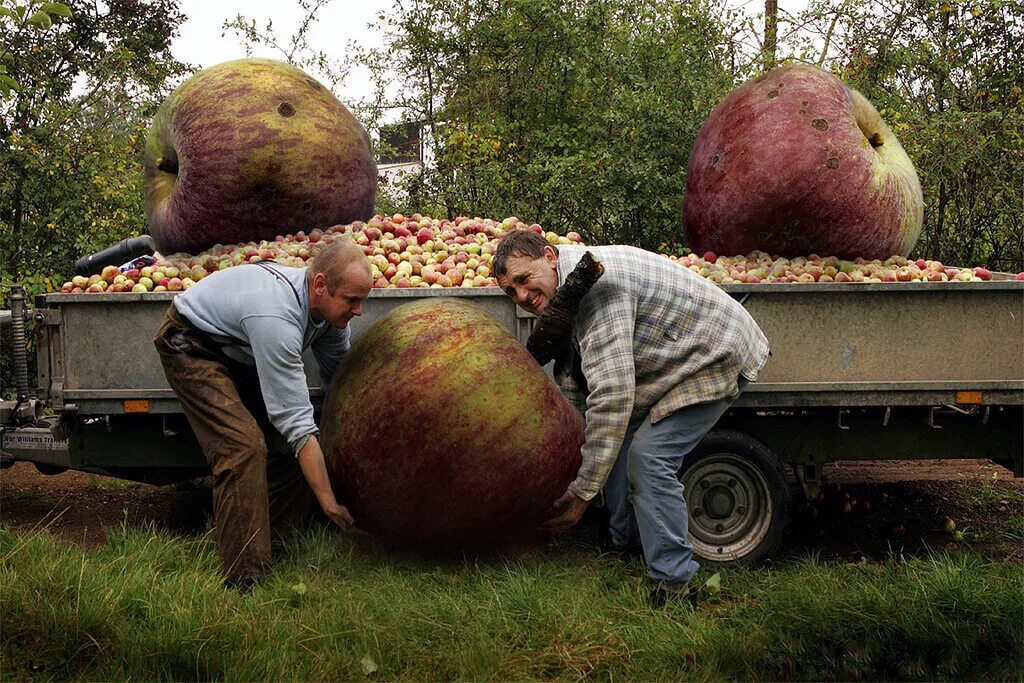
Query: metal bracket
[
  {"x": 931, "y": 418},
  {"x": 888, "y": 414},
  {"x": 168, "y": 431},
  {"x": 984, "y": 418},
  {"x": 46, "y": 316},
  {"x": 809, "y": 476},
  {"x": 960, "y": 410},
  {"x": 839, "y": 420}
]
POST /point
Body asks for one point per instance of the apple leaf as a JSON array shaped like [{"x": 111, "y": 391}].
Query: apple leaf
[
  {"x": 40, "y": 19},
  {"x": 58, "y": 8},
  {"x": 4, "y": 12},
  {"x": 7, "y": 84},
  {"x": 714, "y": 583},
  {"x": 368, "y": 665}
]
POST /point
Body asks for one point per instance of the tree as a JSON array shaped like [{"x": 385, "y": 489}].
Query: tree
[
  {"x": 578, "y": 115},
  {"x": 297, "y": 51},
  {"x": 72, "y": 130}
]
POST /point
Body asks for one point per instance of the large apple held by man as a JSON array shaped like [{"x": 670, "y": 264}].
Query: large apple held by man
[
  {"x": 441, "y": 430},
  {"x": 250, "y": 149},
  {"x": 795, "y": 162}
]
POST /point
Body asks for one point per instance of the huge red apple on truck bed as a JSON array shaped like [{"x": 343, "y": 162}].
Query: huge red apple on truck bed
[
  {"x": 440, "y": 429},
  {"x": 795, "y": 162},
  {"x": 250, "y": 149}
]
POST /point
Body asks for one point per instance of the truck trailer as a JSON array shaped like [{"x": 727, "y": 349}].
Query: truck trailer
[{"x": 858, "y": 371}]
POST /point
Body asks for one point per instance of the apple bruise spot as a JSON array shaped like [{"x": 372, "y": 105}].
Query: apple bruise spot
[
  {"x": 773, "y": 94},
  {"x": 314, "y": 84},
  {"x": 285, "y": 109},
  {"x": 820, "y": 124},
  {"x": 832, "y": 163}
]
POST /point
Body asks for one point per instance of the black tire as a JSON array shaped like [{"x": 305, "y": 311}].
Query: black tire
[{"x": 738, "y": 498}]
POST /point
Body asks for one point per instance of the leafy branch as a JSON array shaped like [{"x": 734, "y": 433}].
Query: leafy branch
[{"x": 24, "y": 17}]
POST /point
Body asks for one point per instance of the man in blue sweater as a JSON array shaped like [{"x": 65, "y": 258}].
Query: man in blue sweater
[{"x": 231, "y": 348}]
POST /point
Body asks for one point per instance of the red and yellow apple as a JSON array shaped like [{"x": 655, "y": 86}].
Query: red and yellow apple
[
  {"x": 477, "y": 445},
  {"x": 249, "y": 149},
  {"x": 795, "y": 162}
]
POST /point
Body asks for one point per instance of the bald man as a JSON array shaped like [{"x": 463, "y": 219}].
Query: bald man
[{"x": 231, "y": 348}]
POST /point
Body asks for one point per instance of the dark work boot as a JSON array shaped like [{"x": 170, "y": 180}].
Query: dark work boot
[
  {"x": 681, "y": 593},
  {"x": 245, "y": 584}
]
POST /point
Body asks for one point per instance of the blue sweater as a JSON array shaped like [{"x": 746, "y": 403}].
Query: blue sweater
[{"x": 262, "y": 319}]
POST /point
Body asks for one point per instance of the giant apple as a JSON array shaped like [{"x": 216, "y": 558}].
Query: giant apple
[
  {"x": 249, "y": 149},
  {"x": 440, "y": 429},
  {"x": 795, "y": 162}
]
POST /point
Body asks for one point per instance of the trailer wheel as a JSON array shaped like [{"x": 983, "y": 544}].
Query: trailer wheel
[{"x": 738, "y": 499}]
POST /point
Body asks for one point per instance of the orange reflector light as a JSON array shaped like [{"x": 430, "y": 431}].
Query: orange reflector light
[
  {"x": 970, "y": 397},
  {"x": 137, "y": 406}
]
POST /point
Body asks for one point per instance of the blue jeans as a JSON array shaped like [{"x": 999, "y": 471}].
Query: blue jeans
[{"x": 643, "y": 493}]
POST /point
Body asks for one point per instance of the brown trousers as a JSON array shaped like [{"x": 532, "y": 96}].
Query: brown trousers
[{"x": 259, "y": 487}]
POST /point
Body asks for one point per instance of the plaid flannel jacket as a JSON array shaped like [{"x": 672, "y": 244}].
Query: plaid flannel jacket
[{"x": 652, "y": 337}]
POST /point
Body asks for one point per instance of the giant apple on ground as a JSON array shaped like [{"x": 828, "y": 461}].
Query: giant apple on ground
[
  {"x": 440, "y": 429},
  {"x": 249, "y": 149},
  {"x": 795, "y": 162}
]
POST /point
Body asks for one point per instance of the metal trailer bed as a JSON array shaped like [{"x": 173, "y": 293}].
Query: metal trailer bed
[{"x": 858, "y": 371}]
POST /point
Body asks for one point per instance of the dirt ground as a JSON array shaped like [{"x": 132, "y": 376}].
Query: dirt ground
[{"x": 870, "y": 509}]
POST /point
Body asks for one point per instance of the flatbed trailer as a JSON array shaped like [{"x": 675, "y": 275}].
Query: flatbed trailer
[{"x": 858, "y": 371}]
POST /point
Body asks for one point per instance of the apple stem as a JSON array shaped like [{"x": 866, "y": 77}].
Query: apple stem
[{"x": 876, "y": 140}]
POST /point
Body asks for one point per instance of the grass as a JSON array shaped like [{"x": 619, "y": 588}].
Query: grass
[
  {"x": 988, "y": 494},
  {"x": 110, "y": 484},
  {"x": 150, "y": 606},
  {"x": 25, "y": 496}
]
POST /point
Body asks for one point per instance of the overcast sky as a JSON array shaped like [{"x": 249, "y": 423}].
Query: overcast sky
[
  {"x": 340, "y": 22},
  {"x": 199, "y": 41}
]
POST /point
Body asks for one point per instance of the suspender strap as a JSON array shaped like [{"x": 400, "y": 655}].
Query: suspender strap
[{"x": 270, "y": 269}]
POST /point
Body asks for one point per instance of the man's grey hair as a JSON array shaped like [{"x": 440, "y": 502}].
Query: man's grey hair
[
  {"x": 518, "y": 243},
  {"x": 334, "y": 260}
]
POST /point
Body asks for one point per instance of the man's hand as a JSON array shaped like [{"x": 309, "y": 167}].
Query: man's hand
[
  {"x": 340, "y": 515},
  {"x": 571, "y": 508},
  {"x": 311, "y": 461}
]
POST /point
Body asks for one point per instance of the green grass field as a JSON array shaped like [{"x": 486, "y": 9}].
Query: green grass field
[{"x": 150, "y": 606}]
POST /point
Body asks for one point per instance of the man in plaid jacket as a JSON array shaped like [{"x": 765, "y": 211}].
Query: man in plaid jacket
[{"x": 658, "y": 355}]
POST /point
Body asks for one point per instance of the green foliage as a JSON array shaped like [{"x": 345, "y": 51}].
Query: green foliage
[
  {"x": 24, "y": 18},
  {"x": 582, "y": 115},
  {"x": 577, "y": 115},
  {"x": 89, "y": 78}
]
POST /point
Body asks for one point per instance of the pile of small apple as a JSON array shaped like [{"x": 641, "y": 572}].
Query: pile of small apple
[
  {"x": 759, "y": 267},
  {"x": 404, "y": 251},
  {"x": 421, "y": 251}
]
